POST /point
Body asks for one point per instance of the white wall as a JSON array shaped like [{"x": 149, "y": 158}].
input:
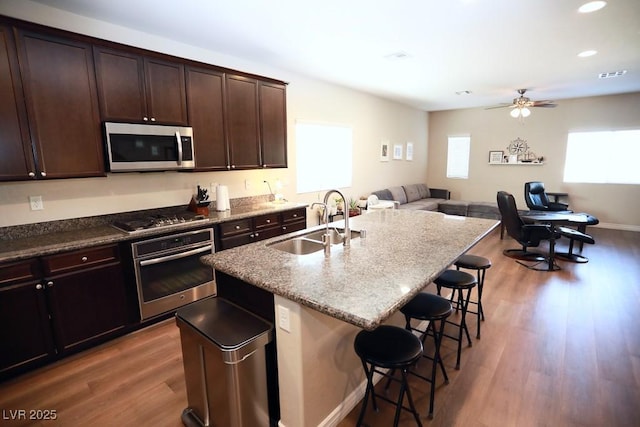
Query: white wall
[
  {"x": 373, "y": 119},
  {"x": 617, "y": 206}
]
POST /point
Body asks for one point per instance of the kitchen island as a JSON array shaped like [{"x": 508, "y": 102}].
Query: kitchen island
[{"x": 322, "y": 302}]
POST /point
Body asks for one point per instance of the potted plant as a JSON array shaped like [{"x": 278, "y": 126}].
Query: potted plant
[
  {"x": 353, "y": 207},
  {"x": 339, "y": 204}
]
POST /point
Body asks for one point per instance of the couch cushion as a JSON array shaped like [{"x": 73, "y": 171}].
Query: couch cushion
[
  {"x": 413, "y": 193},
  {"x": 484, "y": 210},
  {"x": 383, "y": 194},
  {"x": 454, "y": 207},
  {"x": 398, "y": 194},
  {"x": 422, "y": 204},
  {"x": 425, "y": 193}
]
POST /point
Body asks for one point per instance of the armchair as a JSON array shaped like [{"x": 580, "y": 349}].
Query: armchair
[
  {"x": 537, "y": 199},
  {"x": 528, "y": 235}
]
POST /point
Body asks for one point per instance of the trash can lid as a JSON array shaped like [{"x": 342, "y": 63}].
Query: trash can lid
[{"x": 225, "y": 324}]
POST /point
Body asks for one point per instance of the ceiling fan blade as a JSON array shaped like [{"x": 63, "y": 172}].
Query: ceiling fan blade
[
  {"x": 500, "y": 106},
  {"x": 544, "y": 104}
]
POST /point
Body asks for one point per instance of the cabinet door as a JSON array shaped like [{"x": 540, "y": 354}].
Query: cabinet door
[
  {"x": 120, "y": 78},
  {"x": 16, "y": 159},
  {"x": 87, "y": 304},
  {"x": 60, "y": 89},
  {"x": 205, "y": 108},
  {"x": 273, "y": 125},
  {"x": 242, "y": 122},
  {"x": 165, "y": 89},
  {"x": 26, "y": 331}
]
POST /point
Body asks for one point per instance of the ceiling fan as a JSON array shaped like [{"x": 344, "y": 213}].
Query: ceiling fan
[{"x": 520, "y": 105}]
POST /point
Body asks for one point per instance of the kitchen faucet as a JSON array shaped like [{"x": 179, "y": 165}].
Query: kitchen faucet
[{"x": 346, "y": 240}]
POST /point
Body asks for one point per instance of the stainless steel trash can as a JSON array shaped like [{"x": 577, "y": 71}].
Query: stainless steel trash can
[{"x": 224, "y": 364}]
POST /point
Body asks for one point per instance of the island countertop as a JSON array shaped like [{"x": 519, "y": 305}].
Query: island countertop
[{"x": 403, "y": 251}]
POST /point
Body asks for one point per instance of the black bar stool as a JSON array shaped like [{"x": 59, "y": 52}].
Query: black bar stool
[
  {"x": 431, "y": 308},
  {"x": 480, "y": 265},
  {"x": 458, "y": 282},
  {"x": 388, "y": 347}
]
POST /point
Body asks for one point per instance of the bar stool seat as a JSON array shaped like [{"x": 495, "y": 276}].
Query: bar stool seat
[
  {"x": 388, "y": 347},
  {"x": 480, "y": 264},
  {"x": 431, "y": 308},
  {"x": 459, "y": 282}
]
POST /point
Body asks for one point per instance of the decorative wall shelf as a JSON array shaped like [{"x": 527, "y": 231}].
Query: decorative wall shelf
[{"x": 518, "y": 164}]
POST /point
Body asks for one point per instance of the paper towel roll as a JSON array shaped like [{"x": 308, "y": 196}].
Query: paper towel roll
[{"x": 222, "y": 198}]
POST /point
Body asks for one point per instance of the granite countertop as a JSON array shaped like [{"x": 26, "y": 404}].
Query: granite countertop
[
  {"x": 403, "y": 251},
  {"x": 90, "y": 232}
]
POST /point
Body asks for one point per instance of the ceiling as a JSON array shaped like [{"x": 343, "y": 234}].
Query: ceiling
[{"x": 418, "y": 52}]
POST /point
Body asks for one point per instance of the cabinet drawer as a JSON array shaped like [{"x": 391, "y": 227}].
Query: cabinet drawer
[
  {"x": 82, "y": 258},
  {"x": 235, "y": 227},
  {"x": 266, "y": 221},
  {"x": 19, "y": 271},
  {"x": 295, "y": 215},
  {"x": 290, "y": 227}
]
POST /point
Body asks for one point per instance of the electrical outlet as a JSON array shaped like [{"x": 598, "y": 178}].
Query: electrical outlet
[
  {"x": 36, "y": 203},
  {"x": 284, "y": 319}
]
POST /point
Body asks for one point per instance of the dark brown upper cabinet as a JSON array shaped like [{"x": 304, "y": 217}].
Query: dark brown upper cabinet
[
  {"x": 273, "y": 125},
  {"x": 59, "y": 85},
  {"x": 16, "y": 157},
  {"x": 140, "y": 89},
  {"x": 205, "y": 106},
  {"x": 243, "y": 132}
]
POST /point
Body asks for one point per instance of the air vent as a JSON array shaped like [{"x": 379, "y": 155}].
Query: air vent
[{"x": 612, "y": 74}]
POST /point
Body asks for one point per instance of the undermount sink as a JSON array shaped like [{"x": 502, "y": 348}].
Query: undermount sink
[
  {"x": 310, "y": 242},
  {"x": 298, "y": 246}
]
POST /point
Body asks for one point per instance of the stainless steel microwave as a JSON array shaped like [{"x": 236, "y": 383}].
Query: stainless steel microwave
[{"x": 140, "y": 147}]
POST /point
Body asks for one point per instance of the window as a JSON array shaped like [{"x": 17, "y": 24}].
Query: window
[
  {"x": 458, "y": 157},
  {"x": 609, "y": 157},
  {"x": 323, "y": 156}
]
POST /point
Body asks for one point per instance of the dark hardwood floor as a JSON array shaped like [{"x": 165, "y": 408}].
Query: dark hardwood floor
[{"x": 557, "y": 349}]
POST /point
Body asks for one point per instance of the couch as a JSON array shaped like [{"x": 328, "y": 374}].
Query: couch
[
  {"x": 414, "y": 196},
  {"x": 420, "y": 196}
]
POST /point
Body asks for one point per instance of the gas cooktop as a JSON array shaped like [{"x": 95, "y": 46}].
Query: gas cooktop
[{"x": 156, "y": 221}]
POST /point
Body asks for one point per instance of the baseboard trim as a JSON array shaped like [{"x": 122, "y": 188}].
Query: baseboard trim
[{"x": 623, "y": 227}]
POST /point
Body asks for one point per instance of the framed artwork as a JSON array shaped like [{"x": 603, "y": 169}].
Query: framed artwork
[
  {"x": 496, "y": 156},
  {"x": 409, "y": 153},
  {"x": 397, "y": 152},
  {"x": 384, "y": 151}
]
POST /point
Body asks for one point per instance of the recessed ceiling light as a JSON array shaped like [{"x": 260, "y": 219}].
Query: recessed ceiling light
[
  {"x": 587, "y": 53},
  {"x": 592, "y": 6}
]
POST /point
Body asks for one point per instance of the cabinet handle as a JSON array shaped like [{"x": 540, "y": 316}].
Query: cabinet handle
[
  {"x": 31, "y": 174},
  {"x": 84, "y": 259},
  {"x": 146, "y": 119},
  {"x": 295, "y": 215},
  {"x": 38, "y": 286},
  {"x": 43, "y": 174},
  {"x": 257, "y": 234},
  {"x": 237, "y": 227},
  {"x": 228, "y": 167},
  {"x": 233, "y": 166},
  {"x": 153, "y": 119},
  {"x": 284, "y": 227},
  {"x": 268, "y": 221},
  {"x": 50, "y": 284}
]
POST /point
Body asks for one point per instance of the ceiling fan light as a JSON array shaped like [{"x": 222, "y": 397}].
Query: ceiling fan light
[
  {"x": 592, "y": 6},
  {"x": 515, "y": 113},
  {"x": 525, "y": 112}
]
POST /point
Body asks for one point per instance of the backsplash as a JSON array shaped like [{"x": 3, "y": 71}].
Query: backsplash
[{"x": 37, "y": 229}]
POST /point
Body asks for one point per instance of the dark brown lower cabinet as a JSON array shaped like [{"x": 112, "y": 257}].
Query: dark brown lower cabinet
[
  {"x": 57, "y": 304},
  {"x": 25, "y": 334}
]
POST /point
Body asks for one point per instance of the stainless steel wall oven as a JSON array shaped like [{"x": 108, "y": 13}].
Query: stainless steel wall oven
[{"x": 169, "y": 273}]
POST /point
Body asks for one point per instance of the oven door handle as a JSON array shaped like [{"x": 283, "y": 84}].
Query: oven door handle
[{"x": 176, "y": 256}]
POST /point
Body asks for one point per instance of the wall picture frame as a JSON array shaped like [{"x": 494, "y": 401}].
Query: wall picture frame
[
  {"x": 496, "y": 156},
  {"x": 384, "y": 151},
  {"x": 409, "y": 151},
  {"x": 397, "y": 152}
]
